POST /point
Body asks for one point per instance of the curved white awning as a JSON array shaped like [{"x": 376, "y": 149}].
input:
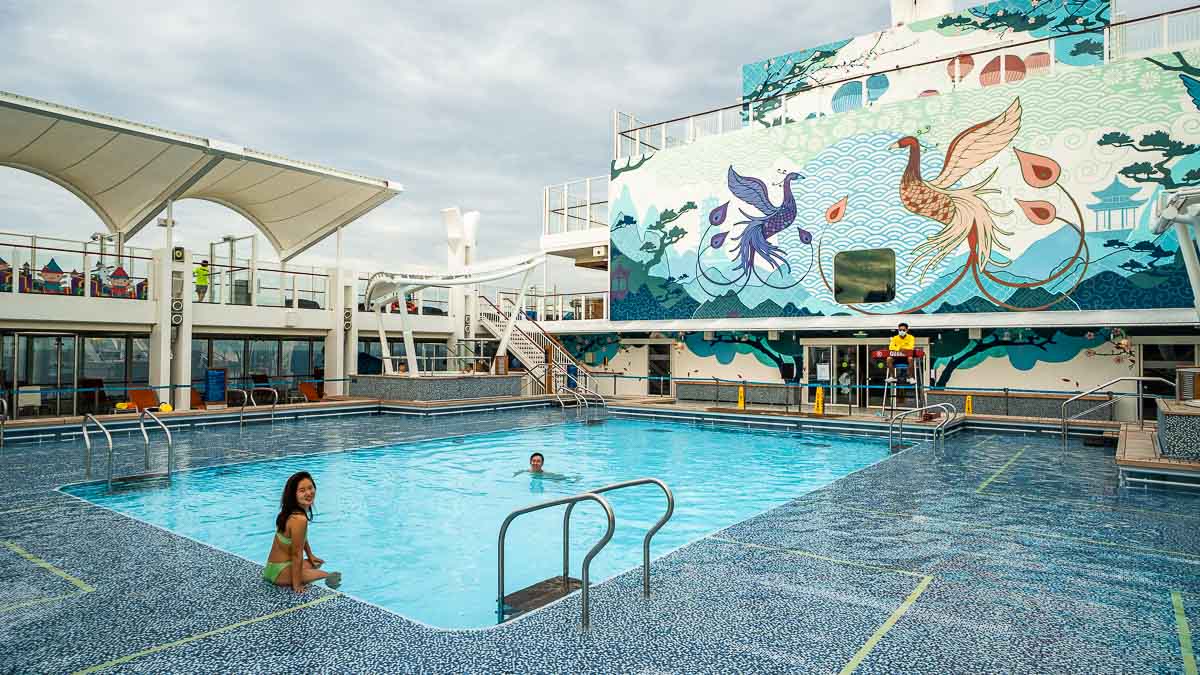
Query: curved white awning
[
  {"x": 385, "y": 286},
  {"x": 127, "y": 172}
]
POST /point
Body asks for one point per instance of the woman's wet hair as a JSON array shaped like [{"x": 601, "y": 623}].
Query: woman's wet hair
[{"x": 289, "y": 504}]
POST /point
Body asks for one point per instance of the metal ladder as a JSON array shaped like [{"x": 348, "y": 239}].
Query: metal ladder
[
  {"x": 248, "y": 397},
  {"x": 1111, "y": 401},
  {"x": 146, "y": 442},
  {"x": 87, "y": 445},
  {"x": 592, "y": 495},
  {"x": 939, "y": 432}
]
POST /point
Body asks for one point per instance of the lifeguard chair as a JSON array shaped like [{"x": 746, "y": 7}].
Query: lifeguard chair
[{"x": 893, "y": 387}]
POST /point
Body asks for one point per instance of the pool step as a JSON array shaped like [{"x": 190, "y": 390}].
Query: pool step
[{"x": 540, "y": 594}]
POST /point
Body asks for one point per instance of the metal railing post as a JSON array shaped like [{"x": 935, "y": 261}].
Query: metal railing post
[
  {"x": 587, "y": 561},
  {"x": 645, "y": 540}
]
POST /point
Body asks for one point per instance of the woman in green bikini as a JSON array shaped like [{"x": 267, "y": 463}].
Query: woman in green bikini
[{"x": 286, "y": 565}]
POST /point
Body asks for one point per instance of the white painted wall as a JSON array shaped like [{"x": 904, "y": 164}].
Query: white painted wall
[{"x": 1088, "y": 371}]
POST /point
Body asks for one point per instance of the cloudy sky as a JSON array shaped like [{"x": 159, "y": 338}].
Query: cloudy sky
[{"x": 477, "y": 105}]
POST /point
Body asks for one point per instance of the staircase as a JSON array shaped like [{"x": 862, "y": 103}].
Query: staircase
[{"x": 530, "y": 343}]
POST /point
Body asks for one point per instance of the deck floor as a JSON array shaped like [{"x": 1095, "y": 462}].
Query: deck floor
[{"x": 994, "y": 553}]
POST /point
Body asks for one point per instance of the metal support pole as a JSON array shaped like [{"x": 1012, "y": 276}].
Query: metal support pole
[
  {"x": 384, "y": 350},
  {"x": 502, "y": 350},
  {"x": 1187, "y": 247},
  {"x": 410, "y": 348}
]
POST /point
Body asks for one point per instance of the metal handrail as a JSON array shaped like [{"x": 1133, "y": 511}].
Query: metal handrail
[
  {"x": 1111, "y": 401},
  {"x": 245, "y": 397},
  {"x": 274, "y": 398},
  {"x": 248, "y": 398},
  {"x": 146, "y": 440},
  {"x": 951, "y": 416},
  {"x": 87, "y": 444},
  {"x": 906, "y": 413},
  {"x": 574, "y": 391},
  {"x": 587, "y": 560},
  {"x": 645, "y": 541},
  {"x": 557, "y": 390},
  {"x": 3, "y": 418}
]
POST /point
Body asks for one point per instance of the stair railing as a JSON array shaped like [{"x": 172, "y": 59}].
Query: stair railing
[
  {"x": 587, "y": 560},
  {"x": 1111, "y": 401}
]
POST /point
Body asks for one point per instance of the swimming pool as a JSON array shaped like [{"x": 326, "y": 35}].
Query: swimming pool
[{"x": 413, "y": 525}]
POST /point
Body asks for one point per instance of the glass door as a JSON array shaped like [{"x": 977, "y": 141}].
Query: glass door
[
  {"x": 845, "y": 376},
  {"x": 44, "y": 375},
  {"x": 819, "y": 366},
  {"x": 876, "y": 376},
  {"x": 1162, "y": 360},
  {"x": 659, "y": 369}
]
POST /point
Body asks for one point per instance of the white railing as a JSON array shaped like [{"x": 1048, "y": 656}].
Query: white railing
[
  {"x": 1137, "y": 38},
  {"x": 531, "y": 346},
  {"x": 102, "y": 267},
  {"x": 560, "y": 306},
  {"x": 575, "y": 206}
]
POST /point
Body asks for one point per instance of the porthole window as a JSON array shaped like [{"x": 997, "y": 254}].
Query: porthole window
[{"x": 864, "y": 277}]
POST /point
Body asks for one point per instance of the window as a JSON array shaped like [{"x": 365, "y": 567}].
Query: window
[
  {"x": 864, "y": 277},
  {"x": 296, "y": 357},
  {"x": 264, "y": 357},
  {"x": 139, "y": 361},
  {"x": 228, "y": 354},
  {"x": 199, "y": 358}
]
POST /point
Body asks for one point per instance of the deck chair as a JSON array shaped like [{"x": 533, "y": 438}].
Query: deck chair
[
  {"x": 143, "y": 399},
  {"x": 309, "y": 391}
]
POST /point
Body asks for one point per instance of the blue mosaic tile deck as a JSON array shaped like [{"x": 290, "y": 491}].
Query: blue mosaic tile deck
[{"x": 996, "y": 553}]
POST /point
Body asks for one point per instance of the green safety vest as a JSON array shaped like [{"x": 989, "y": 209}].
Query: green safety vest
[{"x": 200, "y": 276}]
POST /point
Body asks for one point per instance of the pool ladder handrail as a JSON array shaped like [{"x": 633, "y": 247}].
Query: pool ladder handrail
[
  {"x": 87, "y": 445},
  {"x": 1111, "y": 401},
  {"x": 645, "y": 541},
  {"x": 248, "y": 397},
  {"x": 587, "y": 560},
  {"x": 146, "y": 440},
  {"x": 581, "y": 387},
  {"x": 946, "y": 408},
  {"x": 558, "y": 396}
]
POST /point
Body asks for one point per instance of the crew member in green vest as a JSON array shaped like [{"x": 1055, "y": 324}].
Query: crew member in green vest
[{"x": 200, "y": 277}]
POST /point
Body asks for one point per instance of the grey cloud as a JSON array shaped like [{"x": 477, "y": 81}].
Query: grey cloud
[{"x": 471, "y": 104}]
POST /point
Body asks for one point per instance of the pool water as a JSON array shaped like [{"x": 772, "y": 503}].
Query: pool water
[{"x": 413, "y": 526}]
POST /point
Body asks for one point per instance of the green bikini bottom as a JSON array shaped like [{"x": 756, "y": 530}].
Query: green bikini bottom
[{"x": 273, "y": 569}]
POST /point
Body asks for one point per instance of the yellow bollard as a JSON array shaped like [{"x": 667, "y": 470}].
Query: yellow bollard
[
  {"x": 968, "y": 406},
  {"x": 819, "y": 404},
  {"x": 741, "y": 397}
]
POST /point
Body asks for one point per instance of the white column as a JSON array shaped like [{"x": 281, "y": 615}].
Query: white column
[
  {"x": 181, "y": 365},
  {"x": 335, "y": 338},
  {"x": 160, "y": 331}
]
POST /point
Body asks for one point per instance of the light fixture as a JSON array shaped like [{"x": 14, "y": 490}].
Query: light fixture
[{"x": 1006, "y": 337}]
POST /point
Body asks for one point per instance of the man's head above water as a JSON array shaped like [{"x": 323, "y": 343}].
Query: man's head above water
[{"x": 535, "y": 462}]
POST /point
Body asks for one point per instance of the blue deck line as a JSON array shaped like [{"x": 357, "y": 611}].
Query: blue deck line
[{"x": 996, "y": 553}]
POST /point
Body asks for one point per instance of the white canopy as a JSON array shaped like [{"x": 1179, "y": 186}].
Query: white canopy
[{"x": 127, "y": 172}]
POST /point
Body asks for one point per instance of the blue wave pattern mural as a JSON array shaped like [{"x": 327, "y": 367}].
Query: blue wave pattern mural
[
  {"x": 1070, "y": 25},
  {"x": 748, "y": 225}
]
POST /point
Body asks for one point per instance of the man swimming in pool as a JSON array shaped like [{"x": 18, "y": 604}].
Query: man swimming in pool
[{"x": 536, "y": 461}]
